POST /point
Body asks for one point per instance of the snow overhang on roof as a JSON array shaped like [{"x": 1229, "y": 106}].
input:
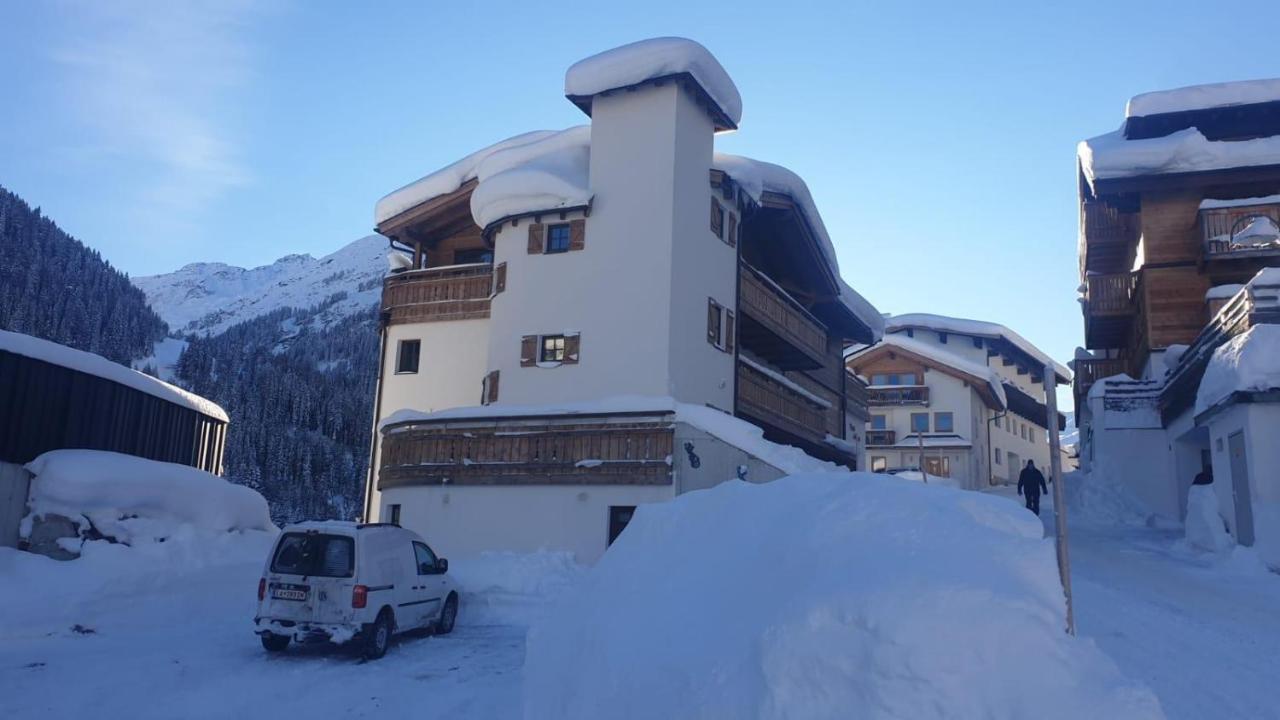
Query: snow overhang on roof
[
  {"x": 976, "y": 328},
  {"x": 982, "y": 377},
  {"x": 1204, "y": 97},
  {"x": 654, "y": 60}
]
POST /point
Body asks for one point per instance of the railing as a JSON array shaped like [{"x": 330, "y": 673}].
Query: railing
[
  {"x": 880, "y": 438},
  {"x": 770, "y": 401},
  {"x": 459, "y": 292},
  {"x": 1221, "y": 227},
  {"x": 1110, "y": 294},
  {"x": 1105, "y": 224},
  {"x": 898, "y": 395},
  {"x": 1090, "y": 370},
  {"x": 769, "y": 305},
  {"x": 855, "y": 395}
]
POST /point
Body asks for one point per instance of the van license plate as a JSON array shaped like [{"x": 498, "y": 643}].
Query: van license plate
[{"x": 289, "y": 592}]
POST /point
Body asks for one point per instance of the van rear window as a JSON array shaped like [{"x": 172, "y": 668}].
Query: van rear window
[{"x": 314, "y": 554}]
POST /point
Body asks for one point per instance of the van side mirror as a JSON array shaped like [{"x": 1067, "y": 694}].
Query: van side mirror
[{"x": 442, "y": 565}]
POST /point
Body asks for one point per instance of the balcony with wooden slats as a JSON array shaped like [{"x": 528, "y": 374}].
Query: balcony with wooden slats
[
  {"x": 459, "y": 292},
  {"x": 776, "y": 327},
  {"x": 881, "y": 438},
  {"x": 1088, "y": 371},
  {"x": 881, "y": 396},
  {"x": 1110, "y": 306},
  {"x": 1225, "y": 233},
  {"x": 804, "y": 412},
  {"x": 1108, "y": 237}
]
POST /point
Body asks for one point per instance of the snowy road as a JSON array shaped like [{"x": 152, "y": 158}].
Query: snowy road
[{"x": 1202, "y": 631}]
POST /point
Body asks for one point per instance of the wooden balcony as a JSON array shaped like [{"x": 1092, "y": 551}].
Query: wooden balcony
[
  {"x": 1107, "y": 237},
  {"x": 879, "y": 396},
  {"x": 881, "y": 438},
  {"x": 800, "y": 411},
  {"x": 606, "y": 450},
  {"x": 1088, "y": 371},
  {"x": 1223, "y": 232},
  {"x": 459, "y": 292},
  {"x": 1110, "y": 305},
  {"x": 776, "y": 327}
]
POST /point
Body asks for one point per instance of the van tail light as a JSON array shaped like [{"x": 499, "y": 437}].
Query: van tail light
[
  {"x": 359, "y": 596},
  {"x": 262, "y": 588}
]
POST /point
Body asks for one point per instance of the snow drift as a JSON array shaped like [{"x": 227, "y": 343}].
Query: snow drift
[
  {"x": 823, "y": 595},
  {"x": 131, "y": 499},
  {"x": 1249, "y": 362}
]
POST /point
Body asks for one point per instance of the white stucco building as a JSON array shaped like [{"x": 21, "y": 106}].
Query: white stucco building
[
  {"x": 966, "y": 396},
  {"x": 587, "y": 320}
]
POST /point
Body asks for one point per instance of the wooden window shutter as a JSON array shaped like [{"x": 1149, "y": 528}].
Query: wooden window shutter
[
  {"x": 572, "y": 345},
  {"x": 713, "y": 322},
  {"x": 537, "y": 238},
  {"x": 528, "y": 351},
  {"x": 731, "y": 236},
  {"x": 577, "y": 234},
  {"x": 491, "y": 388},
  {"x": 499, "y": 278},
  {"x": 728, "y": 330},
  {"x": 717, "y": 218}
]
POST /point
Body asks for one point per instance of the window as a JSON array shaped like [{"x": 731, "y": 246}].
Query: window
[
  {"x": 1031, "y": 434},
  {"x": 426, "y": 559},
  {"x": 558, "y": 238},
  {"x": 999, "y": 456},
  {"x": 472, "y": 255},
  {"x": 895, "y": 379},
  {"x": 942, "y": 338},
  {"x": 977, "y": 342},
  {"x": 1024, "y": 431},
  {"x": 879, "y": 422},
  {"x": 879, "y": 464},
  {"x": 940, "y": 466},
  {"x": 619, "y": 517},
  {"x": 717, "y": 218},
  {"x": 407, "y": 356},
  {"x": 552, "y": 349},
  {"x": 911, "y": 333},
  {"x": 314, "y": 554},
  {"x": 720, "y": 326},
  {"x": 943, "y": 422},
  {"x": 393, "y": 514},
  {"x": 489, "y": 388},
  {"x": 997, "y": 420},
  {"x": 920, "y": 422}
]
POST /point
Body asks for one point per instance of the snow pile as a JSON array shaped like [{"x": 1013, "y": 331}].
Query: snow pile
[
  {"x": 955, "y": 362},
  {"x": 547, "y": 174},
  {"x": 1205, "y": 527},
  {"x": 1095, "y": 498},
  {"x": 133, "y": 500},
  {"x": 650, "y": 59},
  {"x": 1203, "y": 97},
  {"x": 746, "y": 601},
  {"x": 1112, "y": 156},
  {"x": 98, "y": 366},
  {"x": 511, "y": 588},
  {"x": 979, "y": 328},
  {"x": 1248, "y": 362}
]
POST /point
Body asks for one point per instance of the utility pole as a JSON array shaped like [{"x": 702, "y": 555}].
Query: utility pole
[
  {"x": 924, "y": 474},
  {"x": 1059, "y": 495}
]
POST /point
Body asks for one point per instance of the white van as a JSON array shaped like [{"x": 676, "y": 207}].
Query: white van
[{"x": 339, "y": 581}]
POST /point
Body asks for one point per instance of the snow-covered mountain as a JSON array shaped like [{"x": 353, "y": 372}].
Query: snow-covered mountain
[{"x": 208, "y": 298}]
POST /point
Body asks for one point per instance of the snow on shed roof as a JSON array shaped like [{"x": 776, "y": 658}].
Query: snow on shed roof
[
  {"x": 1249, "y": 362},
  {"x": 981, "y": 328},
  {"x": 1203, "y": 97},
  {"x": 98, "y": 366},
  {"x": 942, "y": 357},
  {"x": 651, "y": 59},
  {"x": 1112, "y": 156}
]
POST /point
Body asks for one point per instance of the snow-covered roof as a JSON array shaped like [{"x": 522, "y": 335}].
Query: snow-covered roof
[
  {"x": 1211, "y": 204},
  {"x": 651, "y": 59},
  {"x": 98, "y": 366},
  {"x": 1111, "y": 156},
  {"x": 942, "y": 357},
  {"x": 1249, "y": 362},
  {"x": 950, "y": 440},
  {"x": 1204, "y": 97},
  {"x": 980, "y": 328}
]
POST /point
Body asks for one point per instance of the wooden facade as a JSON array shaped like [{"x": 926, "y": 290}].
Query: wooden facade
[
  {"x": 433, "y": 295},
  {"x": 44, "y": 406}
]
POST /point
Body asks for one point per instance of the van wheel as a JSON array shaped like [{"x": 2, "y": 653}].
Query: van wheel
[
  {"x": 448, "y": 615},
  {"x": 275, "y": 643},
  {"x": 379, "y": 636}
]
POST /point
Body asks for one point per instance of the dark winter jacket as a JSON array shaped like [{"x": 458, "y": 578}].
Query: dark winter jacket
[{"x": 1031, "y": 481}]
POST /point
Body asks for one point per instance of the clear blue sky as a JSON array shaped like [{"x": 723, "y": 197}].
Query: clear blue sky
[{"x": 937, "y": 138}]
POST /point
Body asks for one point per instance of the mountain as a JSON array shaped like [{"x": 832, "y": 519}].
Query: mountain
[
  {"x": 54, "y": 287},
  {"x": 208, "y": 298},
  {"x": 1071, "y": 436}
]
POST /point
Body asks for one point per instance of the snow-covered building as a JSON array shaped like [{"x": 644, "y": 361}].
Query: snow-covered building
[
  {"x": 1179, "y": 230},
  {"x": 53, "y": 397},
  {"x": 967, "y": 396},
  {"x": 584, "y": 320}
]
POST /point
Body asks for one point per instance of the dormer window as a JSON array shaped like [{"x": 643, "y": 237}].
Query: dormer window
[{"x": 558, "y": 238}]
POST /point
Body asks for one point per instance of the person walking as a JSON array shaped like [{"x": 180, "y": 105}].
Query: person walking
[{"x": 1030, "y": 484}]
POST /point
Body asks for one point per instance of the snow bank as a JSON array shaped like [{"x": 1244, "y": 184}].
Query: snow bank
[
  {"x": 1203, "y": 97},
  {"x": 746, "y": 601},
  {"x": 1112, "y": 156},
  {"x": 547, "y": 174},
  {"x": 654, "y": 58},
  {"x": 134, "y": 500},
  {"x": 980, "y": 328},
  {"x": 510, "y": 588},
  {"x": 99, "y": 366},
  {"x": 1095, "y": 498},
  {"x": 1205, "y": 527},
  {"x": 1247, "y": 362}
]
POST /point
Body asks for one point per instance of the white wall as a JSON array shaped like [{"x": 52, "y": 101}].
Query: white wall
[
  {"x": 1258, "y": 423},
  {"x": 450, "y": 368},
  {"x": 1138, "y": 458}
]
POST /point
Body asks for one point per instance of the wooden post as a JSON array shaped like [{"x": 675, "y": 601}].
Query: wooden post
[
  {"x": 1059, "y": 495},
  {"x": 924, "y": 474}
]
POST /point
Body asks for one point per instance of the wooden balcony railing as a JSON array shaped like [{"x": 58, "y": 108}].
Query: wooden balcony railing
[
  {"x": 898, "y": 395},
  {"x": 1090, "y": 370},
  {"x": 761, "y": 301},
  {"x": 880, "y": 438},
  {"x": 459, "y": 292},
  {"x": 1221, "y": 229},
  {"x": 787, "y": 406},
  {"x": 1110, "y": 294},
  {"x": 1106, "y": 235}
]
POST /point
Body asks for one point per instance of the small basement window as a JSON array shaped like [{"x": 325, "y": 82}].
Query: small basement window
[
  {"x": 879, "y": 464},
  {"x": 407, "y": 354},
  {"x": 552, "y": 348},
  {"x": 558, "y": 238}
]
